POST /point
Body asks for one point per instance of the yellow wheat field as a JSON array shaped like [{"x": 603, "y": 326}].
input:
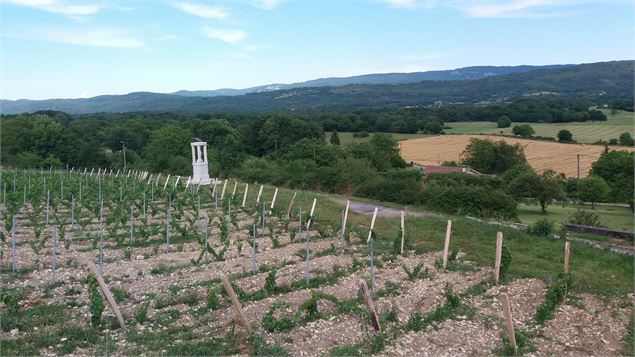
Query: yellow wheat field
[{"x": 541, "y": 155}]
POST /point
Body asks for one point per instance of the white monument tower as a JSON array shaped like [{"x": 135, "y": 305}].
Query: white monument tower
[{"x": 200, "y": 175}]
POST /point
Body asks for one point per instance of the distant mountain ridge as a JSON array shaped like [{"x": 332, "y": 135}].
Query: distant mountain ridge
[
  {"x": 465, "y": 73},
  {"x": 594, "y": 81}
]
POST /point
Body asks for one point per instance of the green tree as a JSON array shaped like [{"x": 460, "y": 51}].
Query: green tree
[
  {"x": 626, "y": 139},
  {"x": 169, "y": 150},
  {"x": 492, "y": 157},
  {"x": 565, "y": 136},
  {"x": 335, "y": 138},
  {"x": 503, "y": 122},
  {"x": 532, "y": 187},
  {"x": 593, "y": 189},
  {"x": 596, "y": 115},
  {"x": 524, "y": 130},
  {"x": 616, "y": 168}
]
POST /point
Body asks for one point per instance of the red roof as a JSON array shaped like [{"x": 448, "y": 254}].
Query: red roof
[{"x": 447, "y": 169}]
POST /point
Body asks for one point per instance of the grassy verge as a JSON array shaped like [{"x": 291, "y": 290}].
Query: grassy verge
[{"x": 616, "y": 217}]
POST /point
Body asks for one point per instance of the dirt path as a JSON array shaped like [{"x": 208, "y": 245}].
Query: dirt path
[{"x": 368, "y": 208}]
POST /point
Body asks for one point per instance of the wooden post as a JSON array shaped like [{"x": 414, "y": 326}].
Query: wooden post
[
  {"x": 104, "y": 288},
  {"x": 348, "y": 203},
  {"x": 372, "y": 225},
  {"x": 509, "y": 324},
  {"x": 446, "y": 246},
  {"x": 403, "y": 229},
  {"x": 259, "y": 194},
  {"x": 235, "y": 302},
  {"x": 567, "y": 250},
  {"x": 273, "y": 201},
  {"x": 291, "y": 205},
  {"x": 222, "y": 194},
  {"x": 166, "y": 182},
  {"x": 499, "y": 252},
  {"x": 234, "y": 190},
  {"x": 178, "y": 178},
  {"x": 245, "y": 195},
  {"x": 368, "y": 302},
  {"x": 308, "y": 223}
]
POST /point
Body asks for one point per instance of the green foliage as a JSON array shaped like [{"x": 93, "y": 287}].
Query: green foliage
[
  {"x": 542, "y": 228},
  {"x": 524, "y": 130},
  {"x": 96, "y": 302},
  {"x": 585, "y": 218},
  {"x": 451, "y": 298},
  {"x": 593, "y": 189},
  {"x": 10, "y": 300},
  {"x": 492, "y": 157},
  {"x": 416, "y": 271},
  {"x": 503, "y": 122},
  {"x": 284, "y": 323},
  {"x": 335, "y": 139},
  {"x": 258, "y": 347},
  {"x": 212, "y": 297},
  {"x": 617, "y": 169},
  {"x": 538, "y": 188},
  {"x": 270, "y": 282},
  {"x": 565, "y": 136},
  {"x": 141, "y": 315},
  {"x": 554, "y": 295},
  {"x": 119, "y": 294}
]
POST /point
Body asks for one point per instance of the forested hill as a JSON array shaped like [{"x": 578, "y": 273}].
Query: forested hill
[
  {"x": 598, "y": 82},
  {"x": 465, "y": 73}
]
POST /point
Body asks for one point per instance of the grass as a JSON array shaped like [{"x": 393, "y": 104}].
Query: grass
[
  {"x": 347, "y": 137},
  {"x": 587, "y": 132},
  {"x": 596, "y": 271},
  {"x": 616, "y": 217}
]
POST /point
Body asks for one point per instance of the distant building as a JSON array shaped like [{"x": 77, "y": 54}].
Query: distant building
[{"x": 428, "y": 170}]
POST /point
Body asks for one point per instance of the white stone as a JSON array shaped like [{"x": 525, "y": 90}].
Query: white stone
[{"x": 200, "y": 175}]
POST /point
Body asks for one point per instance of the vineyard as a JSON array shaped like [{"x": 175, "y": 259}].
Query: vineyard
[{"x": 236, "y": 268}]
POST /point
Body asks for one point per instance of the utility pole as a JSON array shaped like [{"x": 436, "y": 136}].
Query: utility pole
[
  {"x": 578, "y": 176},
  {"x": 123, "y": 143}
]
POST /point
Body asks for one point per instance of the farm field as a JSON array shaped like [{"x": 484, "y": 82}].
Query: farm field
[
  {"x": 586, "y": 133},
  {"x": 347, "y": 137},
  {"x": 541, "y": 155},
  {"x": 173, "y": 302}
]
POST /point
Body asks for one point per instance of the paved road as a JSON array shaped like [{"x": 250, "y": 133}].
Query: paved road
[{"x": 369, "y": 208}]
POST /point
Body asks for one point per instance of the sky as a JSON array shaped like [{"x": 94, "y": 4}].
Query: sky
[{"x": 79, "y": 49}]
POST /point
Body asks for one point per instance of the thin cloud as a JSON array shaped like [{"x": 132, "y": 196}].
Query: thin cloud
[
  {"x": 201, "y": 10},
  {"x": 58, "y": 7},
  {"x": 496, "y": 8},
  {"x": 410, "y": 4},
  {"x": 266, "y": 4},
  {"x": 231, "y": 36},
  {"x": 93, "y": 38},
  {"x": 507, "y": 9}
]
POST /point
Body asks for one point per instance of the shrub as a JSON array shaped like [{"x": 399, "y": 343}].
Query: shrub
[
  {"x": 585, "y": 218},
  {"x": 503, "y": 122},
  {"x": 542, "y": 228},
  {"x": 472, "y": 201}
]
